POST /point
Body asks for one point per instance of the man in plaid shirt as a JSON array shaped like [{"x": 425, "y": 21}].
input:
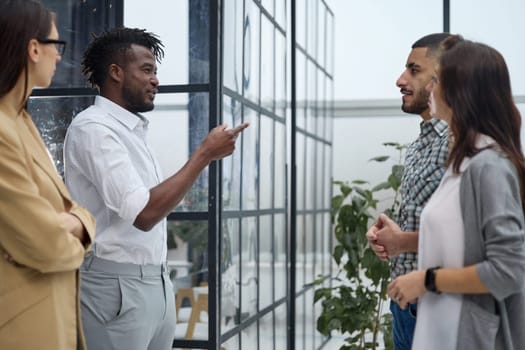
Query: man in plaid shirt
[{"x": 424, "y": 167}]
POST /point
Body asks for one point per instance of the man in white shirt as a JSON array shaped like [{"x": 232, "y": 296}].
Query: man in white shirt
[{"x": 126, "y": 295}]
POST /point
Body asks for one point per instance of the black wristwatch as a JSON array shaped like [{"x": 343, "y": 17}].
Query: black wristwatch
[{"x": 430, "y": 280}]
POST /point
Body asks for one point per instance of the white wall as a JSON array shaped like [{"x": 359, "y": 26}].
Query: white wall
[{"x": 372, "y": 41}]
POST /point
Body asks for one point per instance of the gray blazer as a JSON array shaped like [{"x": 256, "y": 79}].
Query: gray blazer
[{"x": 494, "y": 242}]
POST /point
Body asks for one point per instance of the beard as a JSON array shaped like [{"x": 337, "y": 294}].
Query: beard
[
  {"x": 419, "y": 104},
  {"x": 136, "y": 101}
]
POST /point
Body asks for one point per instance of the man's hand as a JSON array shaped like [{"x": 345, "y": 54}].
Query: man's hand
[
  {"x": 407, "y": 288},
  {"x": 389, "y": 236},
  {"x": 220, "y": 142},
  {"x": 371, "y": 235},
  {"x": 387, "y": 240}
]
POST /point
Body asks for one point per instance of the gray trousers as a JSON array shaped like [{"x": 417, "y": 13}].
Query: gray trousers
[{"x": 126, "y": 306}]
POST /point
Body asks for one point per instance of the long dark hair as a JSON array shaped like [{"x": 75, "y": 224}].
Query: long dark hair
[
  {"x": 113, "y": 47},
  {"x": 476, "y": 85},
  {"x": 20, "y": 21}
]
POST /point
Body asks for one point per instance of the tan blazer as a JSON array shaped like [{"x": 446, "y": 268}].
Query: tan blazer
[{"x": 39, "y": 297}]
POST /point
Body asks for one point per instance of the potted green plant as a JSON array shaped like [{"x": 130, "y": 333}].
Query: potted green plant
[{"x": 353, "y": 304}]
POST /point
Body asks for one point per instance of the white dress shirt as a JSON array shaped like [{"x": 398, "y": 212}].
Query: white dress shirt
[{"x": 110, "y": 169}]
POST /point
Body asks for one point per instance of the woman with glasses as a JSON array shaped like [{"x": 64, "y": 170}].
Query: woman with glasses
[
  {"x": 44, "y": 235},
  {"x": 470, "y": 288}
]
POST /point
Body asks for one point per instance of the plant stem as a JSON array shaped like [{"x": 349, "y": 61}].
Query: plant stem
[{"x": 378, "y": 316}]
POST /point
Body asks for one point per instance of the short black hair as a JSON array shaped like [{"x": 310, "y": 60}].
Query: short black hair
[
  {"x": 431, "y": 42},
  {"x": 112, "y": 47}
]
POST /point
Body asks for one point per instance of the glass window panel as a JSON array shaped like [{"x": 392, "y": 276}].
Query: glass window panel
[
  {"x": 321, "y": 33},
  {"x": 300, "y": 19},
  {"x": 266, "y": 189},
  {"x": 250, "y": 161},
  {"x": 265, "y": 261},
  {"x": 327, "y": 248},
  {"x": 267, "y": 64},
  {"x": 231, "y": 166},
  {"x": 187, "y": 252},
  {"x": 232, "y": 343},
  {"x": 299, "y": 323},
  {"x": 252, "y": 41},
  {"x": 301, "y": 89},
  {"x": 309, "y": 241},
  {"x": 319, "y": 243},
  {"x": 279, "y": 252},
  {"x": 280, "y": 73},
  {"x": 268, "y": 6},
  {"x": 76, "y": 20},
  {"x": 280, "y": 328},
  {"x": 309, "y": 319},
  {"x": 311, "y": 181},
  {"x": 327, "y": 191},
  {"x": 248, "y": 280},
  {"x": 329, "y": 44},
  {"x": 280, "y": 12},
  {"x": 52, "y": 116},
  {"x": 301, "y": 171},
  {"x": 249, "y": 337},
  {"x": 311, "y": 114},
  {"x": 183, "y": 27},
  {"x": 169, "y": 130},
  {"x": 299, "y": 249},
  {"x": 311, "y": 15},
  {"x": 320, "y": 179},
  {"x": 266, "y": 332},
  {"x": 329, "y": 110},
  {"x": 280, "y": 166},
  {"x": 179, "y": 122},
  {"x": 187, "y": 262},
  {"x": 321, "y": 104},
  {"x": 230, "y": 272},
  {"x": 233, "y": 30}
]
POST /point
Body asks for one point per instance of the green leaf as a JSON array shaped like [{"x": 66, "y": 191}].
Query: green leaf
[
  {"x": 359, "y": 182},
  {"x": 381, "y": 186},
  {"x": 338, "y": 254},
  {"x": 345, "y": 189},
  {"x": 379, "y": 159},
  {"x": 397, "y": 170},
  {"x": 394, "y": 181}
]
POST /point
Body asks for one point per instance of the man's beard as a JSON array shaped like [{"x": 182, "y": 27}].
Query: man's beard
[
  {"x": 419, "y": 104},
  {"x": 135, "y": 101}
]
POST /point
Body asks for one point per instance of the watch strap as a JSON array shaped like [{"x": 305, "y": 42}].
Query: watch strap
[{"x": 430, "y": 279}]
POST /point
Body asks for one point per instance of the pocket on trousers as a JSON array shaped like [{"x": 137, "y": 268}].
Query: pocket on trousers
[
  {"x": 102, "y": 296},
  {"x": 478, "y": 327}
]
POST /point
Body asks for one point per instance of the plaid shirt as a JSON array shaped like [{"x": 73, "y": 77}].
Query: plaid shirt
[{"x": 424, "y": 167}]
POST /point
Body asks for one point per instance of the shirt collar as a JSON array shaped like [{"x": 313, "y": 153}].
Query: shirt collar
[
  {"x": 437, "y": 125},
  {"x": 125, "y": 117}
]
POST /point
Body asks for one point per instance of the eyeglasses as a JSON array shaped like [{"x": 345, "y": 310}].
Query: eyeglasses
[{"x": 59, "y": 44}]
